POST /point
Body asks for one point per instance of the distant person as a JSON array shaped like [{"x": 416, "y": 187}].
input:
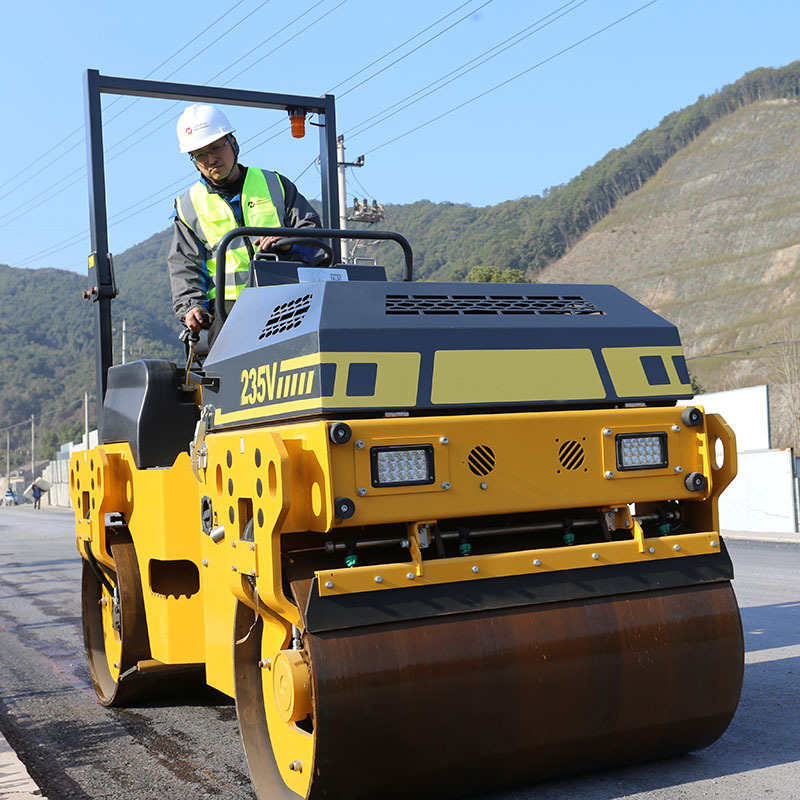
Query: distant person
[
  {"x": 228, "y": 195},
  {"x": 37, "y": 497}
]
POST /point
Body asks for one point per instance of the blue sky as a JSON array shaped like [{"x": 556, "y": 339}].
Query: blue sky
[{"x": 580, "y": 92}]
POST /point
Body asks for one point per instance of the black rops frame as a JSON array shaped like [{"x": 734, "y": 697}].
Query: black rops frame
[{"x": 102, "y": 287}]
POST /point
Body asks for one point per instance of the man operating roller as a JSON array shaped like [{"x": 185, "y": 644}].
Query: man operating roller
[{"x": 228, "y": 195}]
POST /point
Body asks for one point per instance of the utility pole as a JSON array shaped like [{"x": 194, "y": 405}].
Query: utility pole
[
  {"x": 86, "y": 417},
  {"x": 342, "y": 194},
  {"x": 342, "y": 165},
  {"x": 8, "y": 459},
  {"x": 33, "y": 452},
  {"x": 123, "y": 340}
]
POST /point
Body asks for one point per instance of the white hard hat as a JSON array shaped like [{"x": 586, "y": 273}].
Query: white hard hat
[{"x": 200, "y": 125}]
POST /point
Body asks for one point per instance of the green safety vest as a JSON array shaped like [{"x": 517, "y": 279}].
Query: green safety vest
[{"x": 210, "y": 217}]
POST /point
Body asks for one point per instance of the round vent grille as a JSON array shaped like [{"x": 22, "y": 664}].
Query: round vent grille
[
  {"x": 571, "y": 455},
  {"x": 481, "y": 460}
]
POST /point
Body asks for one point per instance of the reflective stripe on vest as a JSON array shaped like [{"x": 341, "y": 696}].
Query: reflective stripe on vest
[{"x": 210, "y": 217}]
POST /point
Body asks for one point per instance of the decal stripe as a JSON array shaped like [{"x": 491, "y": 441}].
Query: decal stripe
[
  {"x": 396, "y": 382},
  {"x": 628, "y": 373},
  {"x": 514, "y": 376}
]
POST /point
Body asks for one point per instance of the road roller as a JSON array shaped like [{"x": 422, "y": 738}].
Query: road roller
[{"x": 433, "y": 538}]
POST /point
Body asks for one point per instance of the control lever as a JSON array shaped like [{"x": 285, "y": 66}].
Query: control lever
[{"x": 190, "y": 340}]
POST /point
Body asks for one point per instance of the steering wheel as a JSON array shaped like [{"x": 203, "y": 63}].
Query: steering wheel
[{"x": 325, "y": 259}]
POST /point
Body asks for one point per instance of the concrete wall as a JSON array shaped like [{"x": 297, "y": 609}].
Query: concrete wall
[
  {"x": 763, "y": 498},
  {"x": 57, "y": 472},
  {"x": 763, "y": 495}
]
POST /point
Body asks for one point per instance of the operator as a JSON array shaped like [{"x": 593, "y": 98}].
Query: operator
[{"x": 228, "y": 195}]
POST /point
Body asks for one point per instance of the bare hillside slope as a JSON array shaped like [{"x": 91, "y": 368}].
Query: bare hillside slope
[{"x": 712, "y": 242}]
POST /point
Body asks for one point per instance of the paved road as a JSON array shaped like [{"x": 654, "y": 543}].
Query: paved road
[{"x": 76, "y": 749}]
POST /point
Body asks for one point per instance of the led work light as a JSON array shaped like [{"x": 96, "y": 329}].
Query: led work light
[
  {"x": 642, "y": 451},
  {"x": 402, "y": 466}
]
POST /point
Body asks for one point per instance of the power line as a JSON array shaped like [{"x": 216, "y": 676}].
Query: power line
[
  {"x": 271, "y": 52},
  {"x": 513, "y": 77},
  {"x": 360, "y": 185},
  {"x": 518, "y": 36},
  {"x": 311, "y": 164},
  {"x": 461, "y": 105},
  {"x": 59, "y": 410},
  {"x": 205, "y": 30},
  {"x": 161, "y": 194},
  {"x": 752, "y": 349},
  {"x": 36, "y": 199},
  {"x": 81, "y": 127},
  {"x": 185, "y": 63},
  {"x": 51, "y": 194},
  {"x": 414, "y": 50},
  {"x": 263, "y": 42},
  {"x": 16, "y": 425},
  {"x": 170, "y": 107},
  {"x": 45, "y": 154},
  {"x": 403, "y": 44},
  {"x": 82, "y": 170},
  {"x": 394, "y": 49},
  {"x": 31, "y": 201},
  {"x": 73, "y": 240}
]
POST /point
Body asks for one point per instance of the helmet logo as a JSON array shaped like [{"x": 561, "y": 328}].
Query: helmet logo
[{"x": 188, "y": 131}]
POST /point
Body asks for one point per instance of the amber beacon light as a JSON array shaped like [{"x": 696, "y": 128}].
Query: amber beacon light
[{"x": 297, "y": 117}]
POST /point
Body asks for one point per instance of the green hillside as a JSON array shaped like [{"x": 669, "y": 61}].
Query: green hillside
[{"x": 47, "y": 335}]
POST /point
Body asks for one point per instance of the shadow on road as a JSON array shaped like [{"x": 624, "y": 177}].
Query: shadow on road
[{"x": 771, "y": 626}]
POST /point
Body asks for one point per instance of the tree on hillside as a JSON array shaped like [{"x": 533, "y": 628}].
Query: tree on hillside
[
  {"x": 495, "y": 275},
  {"x": 786, "y": 392},
  {"x": 51, "y": 440}
]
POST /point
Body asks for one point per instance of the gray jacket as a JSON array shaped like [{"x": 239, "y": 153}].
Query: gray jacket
[{"x": 186, "y": 260}]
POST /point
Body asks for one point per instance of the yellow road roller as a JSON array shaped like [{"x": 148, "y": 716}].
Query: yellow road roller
[{"x": 434, "y": 538}]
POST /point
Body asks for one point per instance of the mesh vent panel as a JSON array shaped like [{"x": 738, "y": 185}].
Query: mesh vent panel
[
  {"x": 504, "y": 305},
  {"x": 286, "y": 316}
]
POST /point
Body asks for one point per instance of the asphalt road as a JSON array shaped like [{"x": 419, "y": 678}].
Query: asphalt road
[{"x": 190, "y": 749}]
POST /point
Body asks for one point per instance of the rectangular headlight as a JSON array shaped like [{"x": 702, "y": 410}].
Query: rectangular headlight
[
  {"x": 642, "y": 451},
  {"x": 402, "y": 466}
]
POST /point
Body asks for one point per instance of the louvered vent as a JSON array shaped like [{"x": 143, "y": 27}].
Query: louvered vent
[
  {"x": 497, "y": 305},
  {"x": 571, "y": 455},
  {"x": 481, "y": 460},
  {"x": 286, "y": 316}
]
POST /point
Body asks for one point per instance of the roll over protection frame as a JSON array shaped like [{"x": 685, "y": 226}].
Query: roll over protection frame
[{"x": 102, "y": 288}]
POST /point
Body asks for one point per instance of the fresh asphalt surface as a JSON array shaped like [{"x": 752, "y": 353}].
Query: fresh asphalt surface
[{"x": 190, "y": 748}]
